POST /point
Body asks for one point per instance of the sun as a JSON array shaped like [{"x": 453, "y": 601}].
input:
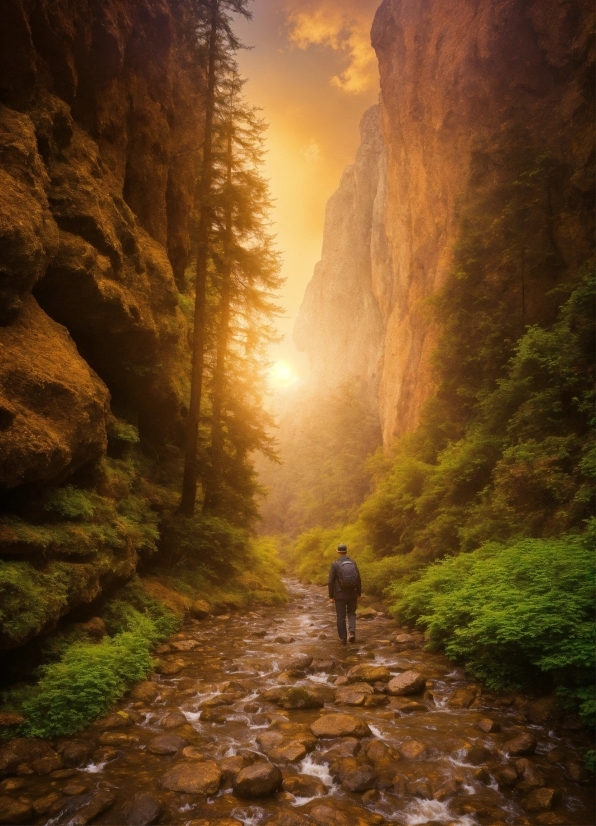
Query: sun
[{"x": 282, "y": 375}]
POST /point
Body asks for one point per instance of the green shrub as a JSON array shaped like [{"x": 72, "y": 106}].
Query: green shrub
[
  {"x": 89, "y": 677},
  {"x": 510, "y": 612}
]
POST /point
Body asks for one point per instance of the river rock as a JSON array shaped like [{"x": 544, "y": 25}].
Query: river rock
[
  {"x": 575, "y": 771},
  {"x": 507, "y": 777},
  {"x": 522, "y": 744},
  {"x": 193, "y": 778},
  {"x": 117, "y": 738},
  {"x": 120, "y": 719},
  {"x": 341, "y": 681},
  {"x": 364, "y": 673},
  {"x": 461, "y": 698},
  {"x": 532, "y": 777},
  {"x": 290, "y": 818},
  {"x": 199, "y": 609},
  {"x": 348, "y": 747},
  {"x": 409, "y": 682},
  {"x": 551, "y": 819},
  {"x": 12, "y": 784},
  {"x": 166, "y": 744},
  {"x": 339, "y": 725},
  {"x": 192, "y": 753},
  {"x": 420, "y": 789},
  {"x": 27, "y": 756},
  {"x": 174, "y": 719},
  {"x": 169, "y": 668},
  {"x": 367, "y": 613},
  {"x": 145, "y": 692},
  {"x": 405, "y": 641},
  {"x": 258, "y": 780},
  {"x": 185, "y": 645},
  {"x": 300, "y": 697},
  {"x": 230, "y": 766},
  {"x": 298, "y": 665},
  {"x": 476, "y": 755},
  {"x": 304, "y": 785},
  {"x": 100, "y": 802},
  {"x": 48, "y": 804},
  {"x": 74, "y": 752},
  {"x": 376, "y": 700},
  {"x": 288, "y": 752},
  {"x": 488, "y": 726},
  {"x": 74, "y": 789},
  {"x": 142, "y": 810},
  {"x": 359, "y": 779},
  {"x": 539, "y": 800},
  {"x": 412, "y": 750},
  {"x": 15, "y": 811}
]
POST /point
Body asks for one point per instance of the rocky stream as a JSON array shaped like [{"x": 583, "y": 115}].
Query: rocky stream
[{"x": 264, "y": 718}]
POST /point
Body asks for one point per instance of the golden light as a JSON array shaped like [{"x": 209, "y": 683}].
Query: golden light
[{"x": 282, "y": 375}]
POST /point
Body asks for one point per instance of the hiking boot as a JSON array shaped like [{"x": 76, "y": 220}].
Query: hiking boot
[{"x": 352, "y": 638}]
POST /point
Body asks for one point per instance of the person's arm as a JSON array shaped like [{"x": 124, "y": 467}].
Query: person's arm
[
  {"x": 331, "y": 582},
  {"x": 359, "y": 584}
]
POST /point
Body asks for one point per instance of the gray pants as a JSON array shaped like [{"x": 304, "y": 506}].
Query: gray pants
[{"x": 343, "y": 607}]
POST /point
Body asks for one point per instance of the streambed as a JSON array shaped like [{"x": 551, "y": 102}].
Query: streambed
[{"x": 171, "y": 752}]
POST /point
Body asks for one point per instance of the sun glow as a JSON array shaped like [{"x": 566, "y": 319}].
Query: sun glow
[{"x": 282, "y": 375}]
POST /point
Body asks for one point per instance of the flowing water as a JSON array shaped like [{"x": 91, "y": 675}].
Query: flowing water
[{"x": 438, "y": 767}]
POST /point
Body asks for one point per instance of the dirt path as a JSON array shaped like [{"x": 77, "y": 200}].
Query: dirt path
[{"x": 227, "y": 720}]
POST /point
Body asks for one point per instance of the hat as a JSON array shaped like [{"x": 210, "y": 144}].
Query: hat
[{"x": 342, "y": 549}]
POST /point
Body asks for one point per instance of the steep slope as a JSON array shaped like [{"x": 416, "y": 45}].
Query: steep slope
[
  {"x": 340, "y": 325},
  {"x": 459, "y": 80},
  {"x": 468, "y": 90},
  {"x": 100, "y": 123}
]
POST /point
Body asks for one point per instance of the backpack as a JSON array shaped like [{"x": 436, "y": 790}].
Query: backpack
[{"x": 347, "y": 574}]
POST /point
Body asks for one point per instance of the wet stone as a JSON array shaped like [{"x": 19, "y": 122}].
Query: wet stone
[
  {"x": 364, "y": 673},
  {"x": 412, "y": 750},
  {"x": 339, "y": 725},
  {"x": 74, "y": 752},
  {"x": 409, "y": 682},
  {"x": 28, "y": 756},
  {"x": 192, "y": 753},
  {"x": 145, "y": 692},
  {"x": 521, "y": 744},
  {"x": 10, "y": 718},
  {"x": 142, "y": 810},
  {"x": 12, "y": 784},
  {"x": 304, "y": 785},
  {"x": 488, "y": 726},
  {"x": 461, "y": 698},
  {"x": 193, "y": 778},
  {"x": 360, "y": 779},
  {"x": 73, "y": 789},
  {"x": 14, "y": 811},
  {"x": 174, "y": 719},
  {"x": 47, "y": 804},
  {"x": 100, "y": 802},
  {"x": 230, "y": 766},
  {"x": 539, "y": 800},
  {"x": 166, "y": 744},
  {"x": 114, "y": 738},
  {"x": 258, "y": 780},
  {"x": 118, "y": 720}
]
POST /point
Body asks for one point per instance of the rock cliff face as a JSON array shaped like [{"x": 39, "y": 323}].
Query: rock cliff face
[
  {"x": 100, "y": 122},
  {"x": 340, "y": 325},
  {"x": 456, "y": 76}
]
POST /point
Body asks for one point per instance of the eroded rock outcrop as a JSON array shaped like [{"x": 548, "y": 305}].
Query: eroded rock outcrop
[
  {"x": 459, "y": 80},
  {"x": 100, "y": 126}
]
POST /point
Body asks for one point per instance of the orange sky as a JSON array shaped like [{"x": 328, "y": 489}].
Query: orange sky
[{"x": 313, "y": 71}]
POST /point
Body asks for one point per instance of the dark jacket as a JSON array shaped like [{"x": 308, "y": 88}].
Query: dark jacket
[{"x": 335, "y": 592}]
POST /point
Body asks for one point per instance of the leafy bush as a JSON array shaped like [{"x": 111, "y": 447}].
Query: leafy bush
[
  {"x": 89, "y": 677},
  {"x": 509, "y": 612}
]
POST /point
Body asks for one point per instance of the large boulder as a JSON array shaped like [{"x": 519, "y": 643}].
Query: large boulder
[
  {"x": 14, "y": 811},
  {"x": 193, "y": 778},
  {"x": 339, "y": 725},
  {"x": 258, "y": 780},
  {"x": 53, "y": 407},
  {"x": 409, "y": 682},
  {"x": 37, "y": 755}
]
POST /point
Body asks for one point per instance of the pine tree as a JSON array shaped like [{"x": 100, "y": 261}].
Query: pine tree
[
  {"x": 215, "y": 35},
  {"x": 246, "y": 274}
]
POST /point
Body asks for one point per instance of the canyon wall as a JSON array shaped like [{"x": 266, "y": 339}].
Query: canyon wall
[
  {"x": 100, "y": 122},
  {"x": 458, "y": 81}
]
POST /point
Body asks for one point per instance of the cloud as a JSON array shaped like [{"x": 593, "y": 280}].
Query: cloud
[
  {"x": 345, "y": 28},
  {"x": 312, "y": 152}
]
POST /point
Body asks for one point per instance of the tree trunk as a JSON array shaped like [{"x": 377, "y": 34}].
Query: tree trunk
[{"x": 189, "y": 482}]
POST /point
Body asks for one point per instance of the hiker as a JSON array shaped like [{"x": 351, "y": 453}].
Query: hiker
[{"x": 344, "y": 589}]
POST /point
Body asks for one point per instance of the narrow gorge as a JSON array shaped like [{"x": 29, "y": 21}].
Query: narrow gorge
[{"x": 175, "y": 665}]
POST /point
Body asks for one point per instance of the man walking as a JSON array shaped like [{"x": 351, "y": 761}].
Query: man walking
[{"x": 344, "y": 589}]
